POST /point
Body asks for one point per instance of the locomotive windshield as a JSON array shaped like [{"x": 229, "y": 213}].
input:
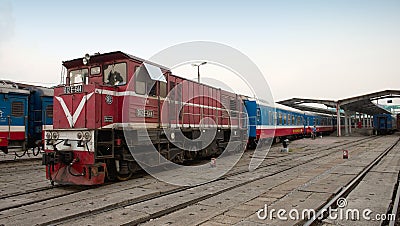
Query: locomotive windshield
[
  {"x": 78, "y": 76},
  {"x": 115, "y": 74}
]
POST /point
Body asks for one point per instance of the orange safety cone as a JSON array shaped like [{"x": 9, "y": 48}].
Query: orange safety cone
[{"x": 345, "y": 154}]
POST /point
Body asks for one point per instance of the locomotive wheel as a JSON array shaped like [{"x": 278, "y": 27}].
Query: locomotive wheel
[{"x": 124, "y": 177}]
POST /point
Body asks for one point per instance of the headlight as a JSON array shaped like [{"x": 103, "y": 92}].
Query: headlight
[
  {"x": 55, "y": 135},
  {"x": 79, "y": 135},
  {"x": 87, "y": 135},
  {"x": 48, "y": 135}
]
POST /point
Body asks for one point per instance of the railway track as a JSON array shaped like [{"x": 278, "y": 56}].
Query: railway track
[
  {"x": 126, "y": 203},
  {"x": 395, "y": 208},
  {"x": 345, "y": 191},
  {"x": 10, "y": 169},
  {"x": 50, "y": 193}
]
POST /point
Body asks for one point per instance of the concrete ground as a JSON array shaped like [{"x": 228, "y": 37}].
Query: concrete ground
[{"x": 302, "y": 179}]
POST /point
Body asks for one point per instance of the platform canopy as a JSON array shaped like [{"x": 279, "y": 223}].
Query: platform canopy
[
  {"x": 298, "y": 103},
  {"x": 363, "y": 103}
]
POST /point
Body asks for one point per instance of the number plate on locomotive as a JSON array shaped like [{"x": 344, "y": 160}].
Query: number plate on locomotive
[
  {"x": 73, "y": 89},
  {"x": 144, "y": 113}
]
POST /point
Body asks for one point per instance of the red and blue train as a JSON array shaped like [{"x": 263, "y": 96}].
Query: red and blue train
[
  {"x": 25, "y": 112},
  {"x": 106, "y": 95}
]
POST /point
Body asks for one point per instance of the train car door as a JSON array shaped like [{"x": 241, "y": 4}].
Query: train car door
[
  {"x": 47, "y": 113},
  {"x": 382, "y": 123}
]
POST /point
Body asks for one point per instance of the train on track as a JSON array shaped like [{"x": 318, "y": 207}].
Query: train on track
[
  {"x": 385, "y": 123},
  {"x": 25, "y": 112},
  {"x": 107, "y": 96}
]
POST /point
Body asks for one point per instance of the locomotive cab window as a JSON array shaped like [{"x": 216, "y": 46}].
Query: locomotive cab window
[
  {"x": 78, "y": 76},
  {"x": 115, "y": 74}
]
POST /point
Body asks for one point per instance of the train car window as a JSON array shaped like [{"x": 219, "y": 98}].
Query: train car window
[
  {"x": 115, "y": 74},
  {"x": 49, "y": 111},
  {"x": 95, "y": 70},
  {"x": 140, "y": 88},
  {"x": 17, "y": 109},
  {"x": 279, "y": 119},
  {"x": 284, "y": 119},
  {"x": 171, "y": 85},
  {"x": 269, "y": 118},
  {"x": 293, "y": 120},
  {"x": 258, "y": 115},
  {"x": 153, "y": 90},
  {"x": 78, "y": 76},
  {"x": 143, "y": 83},
  {"x": 163, "y": 89}
]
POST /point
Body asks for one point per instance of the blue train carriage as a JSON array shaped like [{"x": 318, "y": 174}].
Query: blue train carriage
[
  {"x": 13, "y": 117},
  {"x": 384, "y": 124},
  {"x": 290, "y": 122},
  {"x": 40, "y": 114},
  {"x": 324, "y": 123},
  {"x": 25, "y": 112},
  {"x": 280, "y": 122}
]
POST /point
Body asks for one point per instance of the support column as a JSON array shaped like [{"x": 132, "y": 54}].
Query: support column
[
  {"x": 368, "y": 121},
  {"x": 350, "y": 123},
  {"x": 363, "y": 120},
  {"x": 338, "y": 120},
  {"x": 346, "y": 124}
]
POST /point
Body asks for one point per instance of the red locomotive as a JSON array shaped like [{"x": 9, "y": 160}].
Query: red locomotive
[{"x": 105, "y": 95}]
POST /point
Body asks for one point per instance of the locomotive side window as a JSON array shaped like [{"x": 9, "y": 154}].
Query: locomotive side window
[
  {"x": 153, "y": 90},
  {"x": 143, "y": 83},
  {"x": 115, "y": 74},
  {"x": 163, "y": 89},
  {"x": 78, "y": 76},
  {"x": 17, "y": 109}
]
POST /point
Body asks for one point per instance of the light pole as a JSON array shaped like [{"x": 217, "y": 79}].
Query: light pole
[{"x": 198, "y": 69}]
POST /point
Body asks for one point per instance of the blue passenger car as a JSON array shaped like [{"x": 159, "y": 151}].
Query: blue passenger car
[
  {"x": 25, "y": 111},
  {"x": 384, "y": 123}
]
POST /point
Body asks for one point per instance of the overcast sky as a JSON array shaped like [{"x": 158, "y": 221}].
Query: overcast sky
[{"x": 313, "y": 49}]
